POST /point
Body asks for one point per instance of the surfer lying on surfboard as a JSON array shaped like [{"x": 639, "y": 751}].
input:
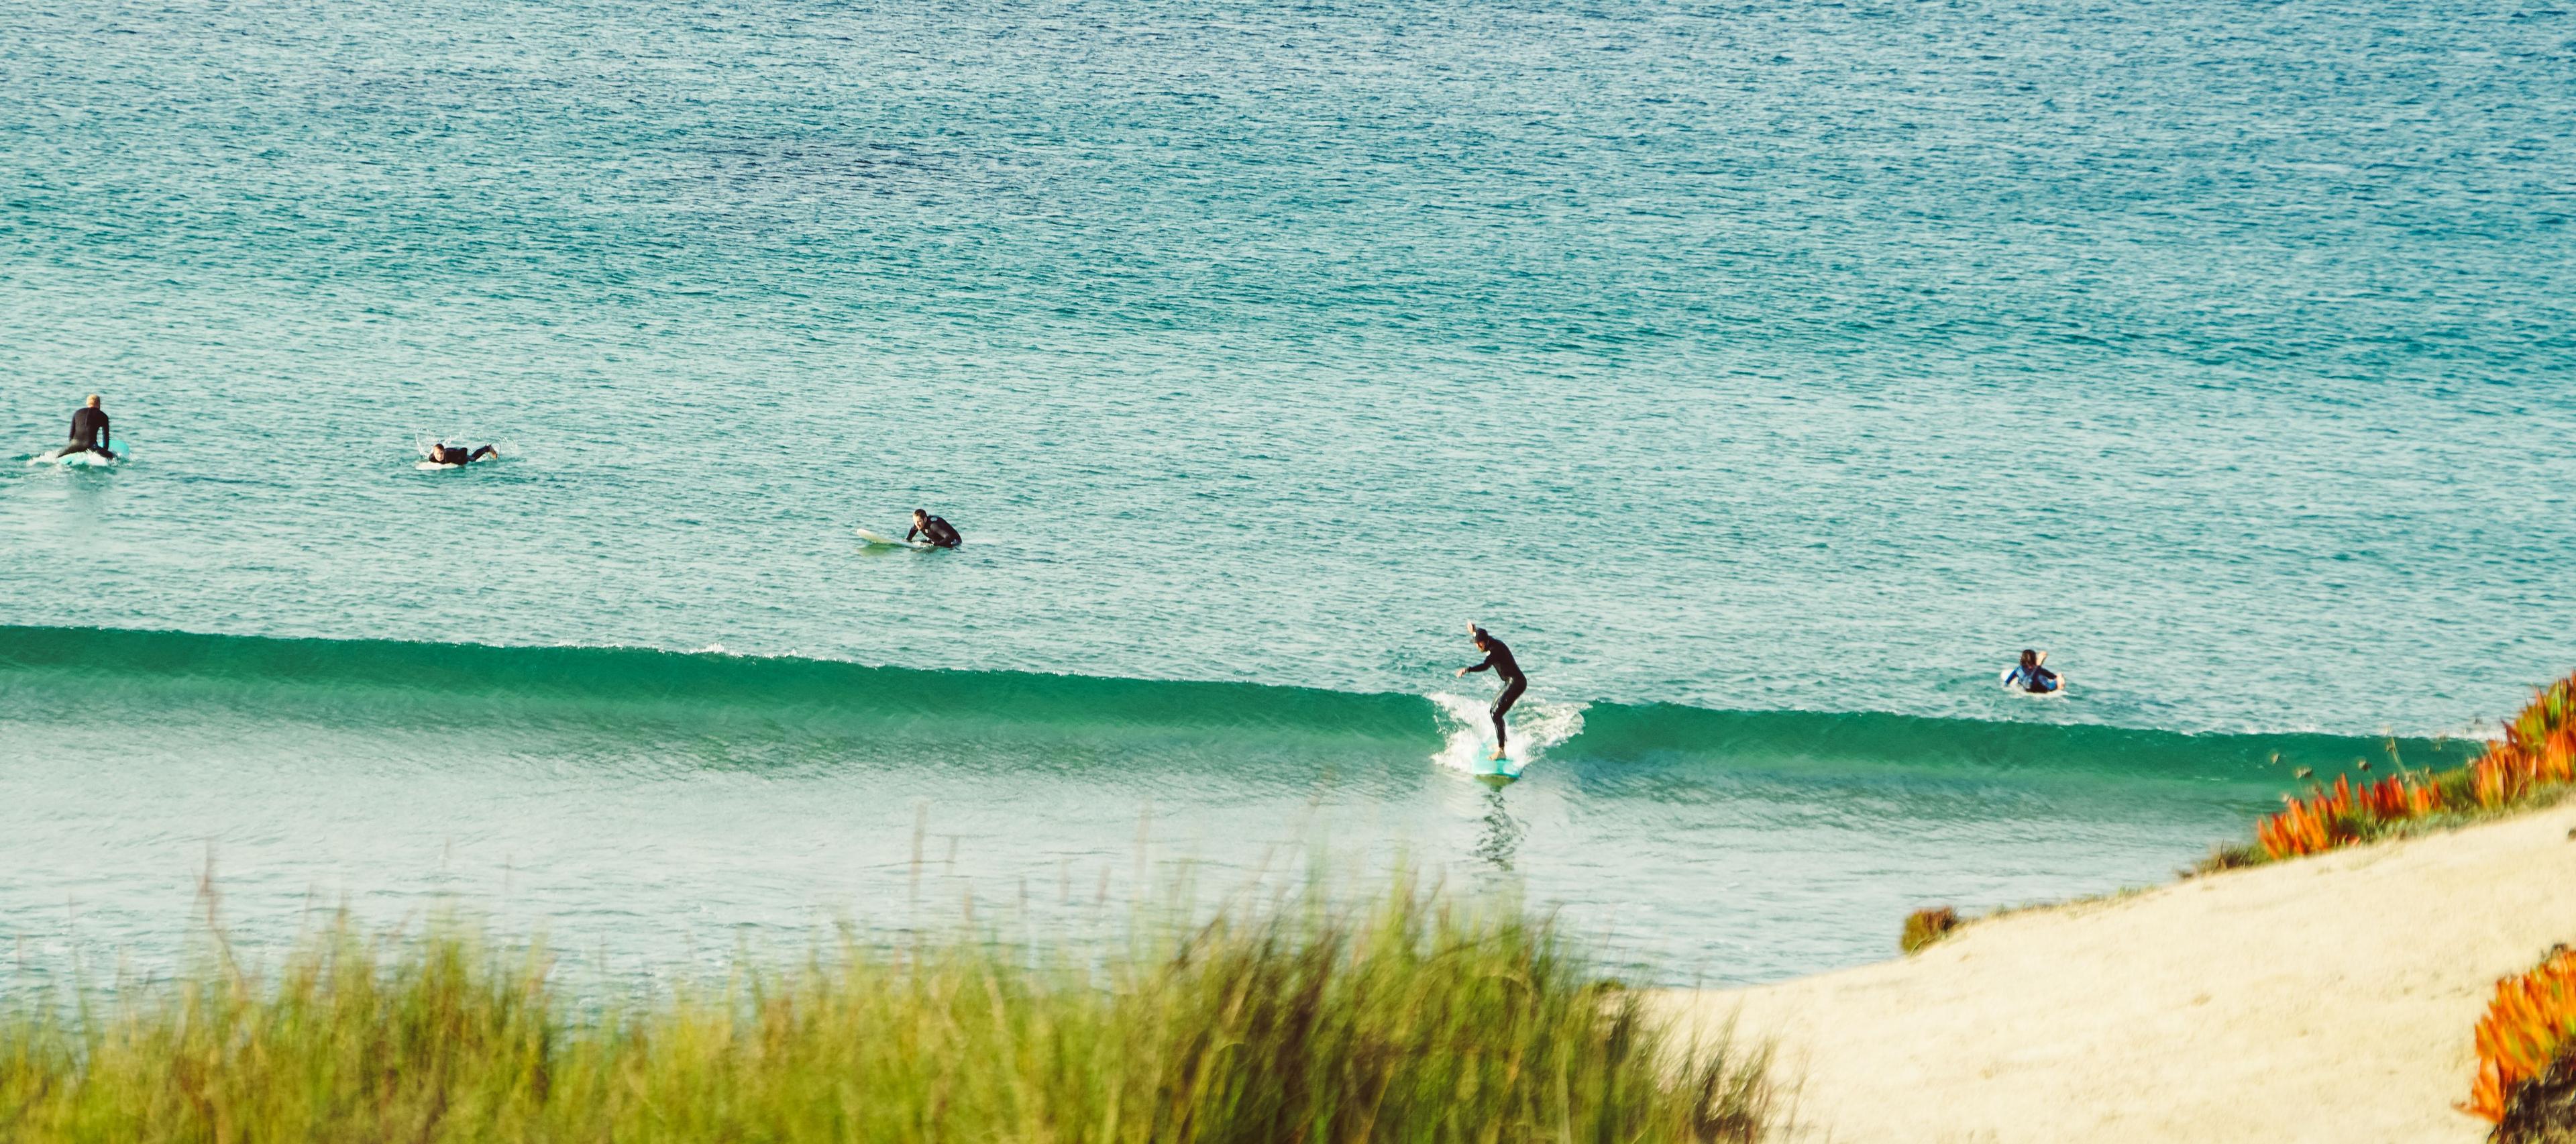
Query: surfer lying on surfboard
[
  {"x": 1498, "y": 658},
  {"x": 443, "y": 453},
  {"x": 2030, "y": 676},
  {"x": 934, "y": 529}
]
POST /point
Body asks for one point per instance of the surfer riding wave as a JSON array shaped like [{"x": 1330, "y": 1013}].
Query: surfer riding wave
[{"x": 1498, "y": 659}]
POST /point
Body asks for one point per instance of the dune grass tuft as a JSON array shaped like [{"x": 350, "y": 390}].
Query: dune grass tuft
[
  {"x": 1415, "y": 1018},
  {"x": 1925, "y": 926}
]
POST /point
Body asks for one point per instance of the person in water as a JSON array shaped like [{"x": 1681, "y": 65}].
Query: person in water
[
  {"x": 934, "y": 529},
  {"x": 2030, "y": 676},
  {"x": 1498, "y": 658},
  {"x": 89, "y": 432},
  {"x": 446, "y": 454}
]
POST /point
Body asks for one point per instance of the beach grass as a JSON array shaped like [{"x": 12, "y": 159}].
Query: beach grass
[
  {"x": 1925, "y": 926},
  {"x": 1411, "y": 1017}
]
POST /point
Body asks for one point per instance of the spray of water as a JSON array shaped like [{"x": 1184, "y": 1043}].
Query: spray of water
[{"x": 1536, "y": 725}]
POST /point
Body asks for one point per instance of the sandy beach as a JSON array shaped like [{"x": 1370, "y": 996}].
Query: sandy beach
[{"x": 2325, "y": 999}]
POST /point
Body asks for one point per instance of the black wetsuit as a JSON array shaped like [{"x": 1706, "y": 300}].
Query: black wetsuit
[
  {"x": 937, "y": 531},
  {"x": 88, "y": 426},
  {"x": 456, "y": 455},
  {"x": 1499, "y": 659}
]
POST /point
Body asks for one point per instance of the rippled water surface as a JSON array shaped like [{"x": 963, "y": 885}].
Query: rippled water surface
[{"x": 1727, "y": 360}]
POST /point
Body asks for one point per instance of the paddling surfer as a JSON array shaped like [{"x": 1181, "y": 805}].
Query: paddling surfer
[
  {"x": 89, "y": 432},
  {"x": 1498, "y": 659},
  {"x": 2030, "y": 676},
  {"x": 443, "y": 453},
  {"x": 934, "y": 529}
]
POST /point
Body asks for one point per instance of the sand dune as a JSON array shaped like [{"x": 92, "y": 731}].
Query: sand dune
[{"x": 2325, "y": 999}]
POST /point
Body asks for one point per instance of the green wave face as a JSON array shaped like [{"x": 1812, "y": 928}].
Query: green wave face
[
  {"x": 801, "y": 710},
  {"x": 617, "y": 708},
  {"x": 645, "y": 802}
]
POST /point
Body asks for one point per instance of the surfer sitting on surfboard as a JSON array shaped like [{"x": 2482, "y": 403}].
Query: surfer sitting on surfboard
[
  {"x": 443, "y": 453},
  {"x": 934, "y": 529},
  {"x": 1499, "y": 659},
  {"x": 89, "y": 432},
  {"x": 2030, "y": 676}
]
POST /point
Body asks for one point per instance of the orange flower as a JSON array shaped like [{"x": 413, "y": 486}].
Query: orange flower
[
  {"x": 2528, "y": 1024},
  {"x": 2538, "y": 750}
]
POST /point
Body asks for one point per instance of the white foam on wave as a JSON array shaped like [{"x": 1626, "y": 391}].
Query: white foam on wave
[
  {"x": 74, "y": 461},
  {"x": 1536, "y": 725}
]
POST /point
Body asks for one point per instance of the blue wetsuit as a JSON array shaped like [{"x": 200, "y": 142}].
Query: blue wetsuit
[{"x": 2034, "y": 679}]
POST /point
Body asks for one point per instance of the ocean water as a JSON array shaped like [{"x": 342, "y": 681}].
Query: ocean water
[{"x": 1766, "y": 374}]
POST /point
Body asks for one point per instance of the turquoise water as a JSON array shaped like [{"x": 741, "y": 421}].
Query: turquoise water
[
  {"x": 1766, "y": 374},
  {"x": 648, "y": 803}
]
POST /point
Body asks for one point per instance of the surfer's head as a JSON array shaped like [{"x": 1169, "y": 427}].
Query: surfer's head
[
  {"x": 2029, "y": 658},
  {"x": 93, "y": 401},
  {"x": 1480, "y": 635},
  {"x": 920, "y": 514}
]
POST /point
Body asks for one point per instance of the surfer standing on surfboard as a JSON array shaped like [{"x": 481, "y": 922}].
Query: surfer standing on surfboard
[
  {"x": 1499, "y": 659},
  {"x": 89, "y": 431}
]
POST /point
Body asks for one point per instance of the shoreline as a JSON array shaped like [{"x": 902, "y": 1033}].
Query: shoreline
[{"x": 2328, "y": 998}]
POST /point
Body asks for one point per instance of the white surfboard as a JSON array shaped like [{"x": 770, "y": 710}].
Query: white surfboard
[{"x": 887, "y": 541}]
